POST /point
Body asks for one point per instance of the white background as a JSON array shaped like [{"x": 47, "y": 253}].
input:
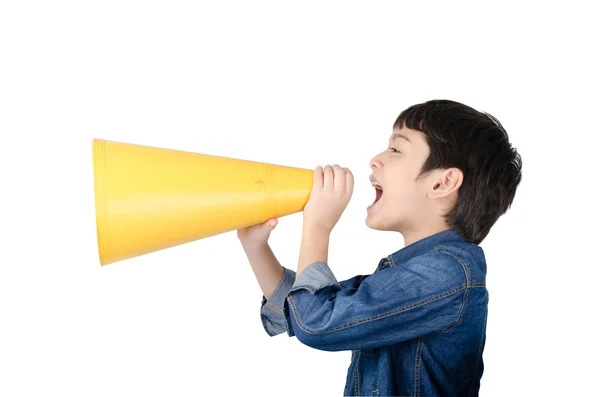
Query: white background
[{"x": 294, "y": 84}]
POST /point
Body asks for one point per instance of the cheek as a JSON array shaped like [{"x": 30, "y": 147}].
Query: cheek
[
  {"x": 399, "y": 199},
  {"x": 399, "y": 189}
]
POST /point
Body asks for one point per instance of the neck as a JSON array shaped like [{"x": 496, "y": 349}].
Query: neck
[{"x": 412, "y": 236}]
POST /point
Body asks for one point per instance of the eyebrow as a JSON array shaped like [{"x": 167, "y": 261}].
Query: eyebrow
[{"x": 394, "y": 136}]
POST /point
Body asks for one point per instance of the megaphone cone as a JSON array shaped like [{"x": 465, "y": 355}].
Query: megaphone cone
[{"x": 149, "y": 198}]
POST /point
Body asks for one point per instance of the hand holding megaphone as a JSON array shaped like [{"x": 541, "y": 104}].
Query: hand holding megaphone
[{"x": 257, "y": 233}]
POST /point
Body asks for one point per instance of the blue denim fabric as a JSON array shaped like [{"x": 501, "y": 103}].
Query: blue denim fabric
[{"x": 415, "y": 326}]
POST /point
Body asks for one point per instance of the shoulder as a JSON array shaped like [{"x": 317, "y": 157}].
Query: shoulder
[
  {"x": 438, "y": 265},
  {"x": 468, "y": 256}
]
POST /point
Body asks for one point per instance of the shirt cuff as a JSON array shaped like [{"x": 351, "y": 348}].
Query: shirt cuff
[
  {"x": 314, "y": 278},
  {"x": 271, "y": 310}
]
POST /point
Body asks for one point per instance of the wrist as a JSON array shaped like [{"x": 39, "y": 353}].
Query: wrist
[
  {"x": 254, "y": 245},
  {"x": 311, "y": 226}
]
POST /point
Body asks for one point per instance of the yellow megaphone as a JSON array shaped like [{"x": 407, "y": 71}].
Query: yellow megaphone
[{"x": 149, "y": 198}]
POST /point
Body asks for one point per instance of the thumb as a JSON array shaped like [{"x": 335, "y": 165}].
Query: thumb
[{"x": 271, "y": 223}]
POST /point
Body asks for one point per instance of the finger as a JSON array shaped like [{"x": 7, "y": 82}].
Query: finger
[
  {"x": 328, "y": 178},
  {"x": 339, "y": 179},
  {"x": 349, "y": 181},
  {"x": 272, "y": 223},
  {"x": 318, "y": 178}
]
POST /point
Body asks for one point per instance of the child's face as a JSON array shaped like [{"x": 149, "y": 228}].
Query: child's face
[{"x": 403, "y": 202}]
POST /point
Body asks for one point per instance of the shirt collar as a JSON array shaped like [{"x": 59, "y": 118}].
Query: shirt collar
[{"x": 421, "y": 246}]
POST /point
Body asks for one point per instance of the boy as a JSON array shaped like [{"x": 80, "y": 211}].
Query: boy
[{"x": 416, "y": 325}]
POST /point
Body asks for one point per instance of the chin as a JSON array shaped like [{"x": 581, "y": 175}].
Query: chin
[
  {"x": 379, "y": 221},
  {"x": 373, "y": 223}
]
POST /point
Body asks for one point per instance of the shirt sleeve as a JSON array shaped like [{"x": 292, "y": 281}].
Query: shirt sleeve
[
  {"x": 271, "y": 312},
  {"x": 316, "y": 276},
  {"x": 387, "y": 307}
]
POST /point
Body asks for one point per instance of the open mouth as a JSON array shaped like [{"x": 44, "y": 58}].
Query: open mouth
[{"x": 378, "y": 193}]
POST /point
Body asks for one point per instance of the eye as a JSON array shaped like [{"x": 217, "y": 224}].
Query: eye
[{"x": 394, "y": 150}]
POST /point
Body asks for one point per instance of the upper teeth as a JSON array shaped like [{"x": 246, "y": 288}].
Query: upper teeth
[{"x": 375, "y": 184}]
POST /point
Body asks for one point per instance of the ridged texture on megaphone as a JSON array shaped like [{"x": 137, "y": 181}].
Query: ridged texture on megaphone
[{"x": 148, "y": 198}]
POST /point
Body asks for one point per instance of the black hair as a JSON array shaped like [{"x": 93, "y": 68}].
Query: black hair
[{"x": 476, "y": 143}]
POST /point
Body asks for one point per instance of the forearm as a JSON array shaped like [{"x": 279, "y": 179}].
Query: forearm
[
  {"x": 314, "y": 246},
  {"x": 267, "y": 269}
]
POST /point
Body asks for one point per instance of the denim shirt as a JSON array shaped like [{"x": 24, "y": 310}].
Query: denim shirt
[{"x": 415, "y": 326}]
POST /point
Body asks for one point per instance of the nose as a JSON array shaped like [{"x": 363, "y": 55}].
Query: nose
[{"x": 375, "y": 163}]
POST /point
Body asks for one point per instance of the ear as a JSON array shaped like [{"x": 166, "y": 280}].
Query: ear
[{"x": 448, "y": 181}]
